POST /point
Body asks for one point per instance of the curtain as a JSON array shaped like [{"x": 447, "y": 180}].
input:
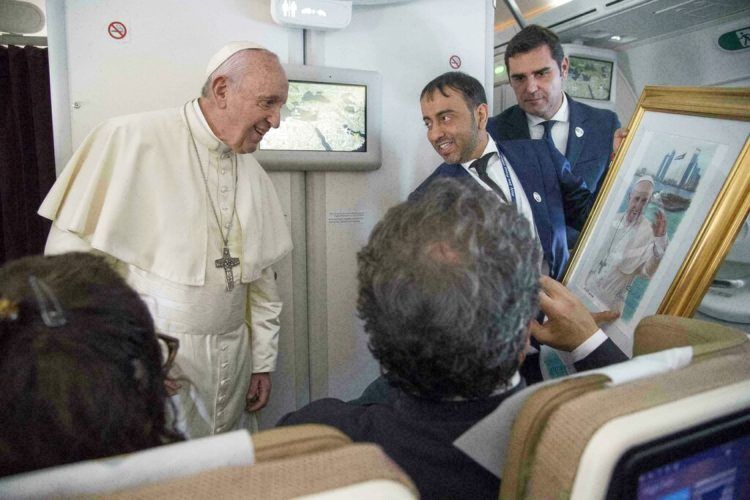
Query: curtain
[{"x": 27, "y": 161}]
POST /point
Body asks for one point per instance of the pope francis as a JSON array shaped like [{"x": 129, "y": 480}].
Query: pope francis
[{"x": 193, "y": 223}]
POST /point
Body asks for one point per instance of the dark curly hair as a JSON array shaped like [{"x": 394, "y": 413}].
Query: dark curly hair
[
  {"x": 469, "y": 87},
  {"x": 531, "y": 37},
  {"x": 90, "y": 388},
  {"x": 447, "y": 285}
]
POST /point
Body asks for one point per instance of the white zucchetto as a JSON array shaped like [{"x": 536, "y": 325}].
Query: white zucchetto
[{"x": 228, "y": 51}]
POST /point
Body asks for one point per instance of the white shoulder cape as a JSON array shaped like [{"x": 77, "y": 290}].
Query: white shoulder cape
[{"x": 134, "y": 190}]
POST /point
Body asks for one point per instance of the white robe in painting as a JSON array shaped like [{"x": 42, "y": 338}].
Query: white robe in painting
[
  {"x": 629, "y": 251},
  {"x": 134, "y": 192}
]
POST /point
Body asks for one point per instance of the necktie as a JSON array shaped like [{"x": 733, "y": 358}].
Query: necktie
[
  {"x": 480, "y": 166},
  {"x": 548, "y": 132}
]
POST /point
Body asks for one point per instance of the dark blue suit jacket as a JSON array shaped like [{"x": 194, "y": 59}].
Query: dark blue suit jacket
[
  {"x": 418, "y": 434},
  {"x": 545, "y": 174},
  {"x": 588, "y": 155}
]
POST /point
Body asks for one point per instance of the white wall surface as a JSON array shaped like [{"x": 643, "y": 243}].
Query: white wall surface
[{"x": 161, "y": 61}]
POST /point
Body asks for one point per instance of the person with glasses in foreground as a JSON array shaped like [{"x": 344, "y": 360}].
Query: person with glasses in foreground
[{"x": 82, "y": 369}]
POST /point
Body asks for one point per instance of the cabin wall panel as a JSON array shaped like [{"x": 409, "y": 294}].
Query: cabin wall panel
[{"x": 161, "y": 61}]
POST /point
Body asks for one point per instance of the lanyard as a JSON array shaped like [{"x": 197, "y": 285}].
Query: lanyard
[{"x": 511, "y": 187}]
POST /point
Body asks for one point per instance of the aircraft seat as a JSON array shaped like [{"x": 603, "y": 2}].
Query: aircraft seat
[
  {"x": 570, "y": 438},
  {"x": 294, "y": 461}
]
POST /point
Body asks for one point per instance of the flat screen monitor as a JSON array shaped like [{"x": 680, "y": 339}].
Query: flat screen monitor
[
  {"x": 591, "y": 75},
  {"x": 331, "y": 121},
  {"x": 710, "y": 461},
  {"x": 589, "y": 78}
]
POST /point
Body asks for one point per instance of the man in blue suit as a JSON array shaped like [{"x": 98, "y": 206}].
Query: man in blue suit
[
  {"x": 537, "y": 67},
  {"x": 530, "y": 174}
]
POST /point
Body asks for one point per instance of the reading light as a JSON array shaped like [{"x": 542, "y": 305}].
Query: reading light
[
  {"x": 499, "y": 70},
  {"x": 616, "y": 38},
  {"x": 312, "y": 14}
]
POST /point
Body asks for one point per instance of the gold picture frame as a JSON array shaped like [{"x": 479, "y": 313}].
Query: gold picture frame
[{"x": 692, "y": 146}]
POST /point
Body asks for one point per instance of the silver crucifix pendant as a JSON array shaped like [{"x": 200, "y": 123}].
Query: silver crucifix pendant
[{"x": 228, "y": 262}]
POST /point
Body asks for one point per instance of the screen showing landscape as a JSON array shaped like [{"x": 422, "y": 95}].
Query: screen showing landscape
[
  {"x": 589, "y": 78},
  {"x": 321, "y": 117}
]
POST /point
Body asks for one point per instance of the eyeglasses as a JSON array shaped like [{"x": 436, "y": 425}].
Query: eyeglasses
[{"x": 173, "y": 346}]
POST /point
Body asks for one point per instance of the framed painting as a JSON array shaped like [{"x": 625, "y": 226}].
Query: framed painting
[{"x": 669, "y": 209}]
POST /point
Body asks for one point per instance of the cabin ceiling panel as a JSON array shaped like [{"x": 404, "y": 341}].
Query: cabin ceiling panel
[
  {"x": 594, "y": 22},
  {"x": 652, "y": 19}
]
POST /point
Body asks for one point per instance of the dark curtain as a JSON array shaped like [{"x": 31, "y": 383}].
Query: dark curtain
[{"x": 27, "y": 160}]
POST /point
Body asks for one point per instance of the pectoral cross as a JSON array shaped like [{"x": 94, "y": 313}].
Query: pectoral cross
[{"x": 228, "y": 262}]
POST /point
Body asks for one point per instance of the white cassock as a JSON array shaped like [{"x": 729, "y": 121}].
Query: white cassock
[
  {"x": 629, "y": 251},
  {"x": 134, "y": 192}
]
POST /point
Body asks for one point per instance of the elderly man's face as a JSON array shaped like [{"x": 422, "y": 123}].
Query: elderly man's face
[
  {"x": 254, "y": 106},
  {"x": 455, "y": 131},
  {"x": 639, "y": 197},
  {"x": 537, "y": 81}
]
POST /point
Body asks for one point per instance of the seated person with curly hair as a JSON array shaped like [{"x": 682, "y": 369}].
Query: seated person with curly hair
[
  {"x": 449, "y": 287},
  {"x": 81, "y": 366}
]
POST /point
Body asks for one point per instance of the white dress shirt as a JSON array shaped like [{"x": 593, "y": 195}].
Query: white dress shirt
[
  {"x": 560, "y": 129},
  {"x": 496, "y": 173}
]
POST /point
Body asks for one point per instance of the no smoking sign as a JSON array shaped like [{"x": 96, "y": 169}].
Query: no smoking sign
[
  {"x": 455, "y": 62},
  {"x": 117, "y": 30}
]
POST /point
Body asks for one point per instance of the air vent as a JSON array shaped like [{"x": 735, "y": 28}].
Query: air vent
[{"x": 687, "y": 7}]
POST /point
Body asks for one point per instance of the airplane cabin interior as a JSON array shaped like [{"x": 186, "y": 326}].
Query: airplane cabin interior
[{"x": 671, "y": 422}]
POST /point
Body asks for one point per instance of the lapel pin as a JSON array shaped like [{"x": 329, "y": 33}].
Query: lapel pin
[{"x": 579, "y": 132}]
